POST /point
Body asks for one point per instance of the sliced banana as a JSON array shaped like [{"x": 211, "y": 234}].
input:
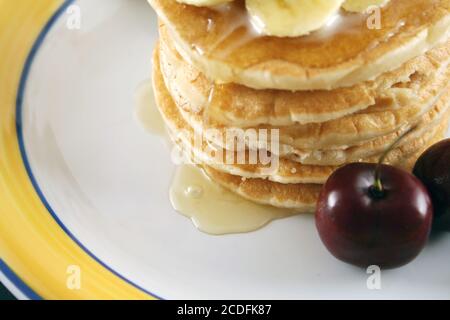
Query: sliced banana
[
  {"x": 204, "y": 3},
  {"x": 362, "y": 5},
  {"x": 291, "y": 18}
]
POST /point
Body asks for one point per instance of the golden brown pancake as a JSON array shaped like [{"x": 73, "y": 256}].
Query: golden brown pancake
[
  {"x": 223, "y": 48},
  {"x": 330, "y": 156},
  {"x": 286, "y": 171},
  {"x": 373, "y": 147},
  {"x": 236, "y": 105},
  {"x": 302, "y": 197},
  {"x": 367, "y": 87},
  {"x": 341, "y": 133},
  {"x": 378, "y": 120}
]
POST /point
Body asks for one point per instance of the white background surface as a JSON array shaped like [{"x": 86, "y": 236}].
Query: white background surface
[{"x": 107, "y": 180}]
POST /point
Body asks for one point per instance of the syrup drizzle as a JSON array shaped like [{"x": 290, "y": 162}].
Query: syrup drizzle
[
  {"x": 146, "y": 111},
  {"x": 212, "y": 208},
  {"x": 239, "y": 30},
  {"x": 215, "y": 210}
]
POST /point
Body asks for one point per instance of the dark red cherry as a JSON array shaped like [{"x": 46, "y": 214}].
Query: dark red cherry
[
  {"x": 433, "y": 169},
  {"x": 364, "y": 225}
]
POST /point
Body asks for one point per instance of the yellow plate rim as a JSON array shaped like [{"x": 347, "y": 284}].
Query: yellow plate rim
[{"x": 28, "y": 225}]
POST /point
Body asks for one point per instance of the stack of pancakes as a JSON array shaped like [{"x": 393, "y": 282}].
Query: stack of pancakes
[{"x": 336, "y": 98}]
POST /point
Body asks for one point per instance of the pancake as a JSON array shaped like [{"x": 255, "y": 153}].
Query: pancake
[
  {"x": 220, "y": 43},
  {"x": 341, "y": 133},
  {"x": 372, "y": 147},
  {"x": 286, "y": 172},
  {"x": 302, "y": 197},
  {"x": 298, "y": 196},
  {"x": 184, "y": 134},
  {"x": 237, "y": 105},
  {"x": 376, "y": 121},
  {"x": 325, "y": 156}
]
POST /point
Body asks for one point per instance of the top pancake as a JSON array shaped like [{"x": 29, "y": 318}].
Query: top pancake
[
  {"x": 236, "y": 105},
  {"x": 220, "y": 46}
]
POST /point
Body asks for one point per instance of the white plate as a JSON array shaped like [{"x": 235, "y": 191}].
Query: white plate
[{"x": 107, "y": 180}]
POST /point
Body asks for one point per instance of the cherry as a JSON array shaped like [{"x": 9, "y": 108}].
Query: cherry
[
  {"x": 371, "y": 214},
  {"x": 433, "y": 169}
]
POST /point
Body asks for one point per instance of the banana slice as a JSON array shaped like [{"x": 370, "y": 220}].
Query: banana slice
[
  {"x": 204, "y": 3},
  {"x": 291, "y": 18},
  {"x": 362, "y": 5}
]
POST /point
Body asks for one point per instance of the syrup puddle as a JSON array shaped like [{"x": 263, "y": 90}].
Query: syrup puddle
[
  {"x": 212, "y": 209},
  {"x": 215, "y": 210},
  {"x": 146, "y": 110}
]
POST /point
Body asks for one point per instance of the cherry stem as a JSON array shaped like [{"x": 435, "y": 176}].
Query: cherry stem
[{"x": 378, "y": 185}]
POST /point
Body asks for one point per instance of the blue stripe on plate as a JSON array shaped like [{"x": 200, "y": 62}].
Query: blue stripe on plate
[
  {"x": 19, "y": 128},
  {"x": 17, "y": 282}
]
